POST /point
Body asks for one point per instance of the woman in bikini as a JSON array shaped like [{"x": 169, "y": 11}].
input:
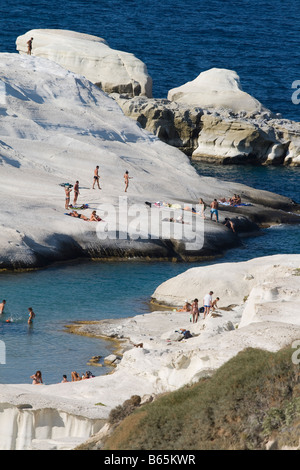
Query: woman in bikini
[
  {"x": 94, "y": 217},
  {"x": 31, "y": 315},
  {"x": 195, "y": 311},
  {"x": 37, "y": 378}
]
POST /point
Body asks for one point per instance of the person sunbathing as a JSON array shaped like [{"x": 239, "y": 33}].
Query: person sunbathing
[
  {"x": 78, "y": 216},
  {"x": 75, "y": 376},
  {"x": 186, "y": 308},
  {"x": 94, "y": 217}
]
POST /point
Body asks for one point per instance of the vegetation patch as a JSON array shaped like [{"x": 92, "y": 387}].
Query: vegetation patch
[{"x": 248, "y": 401}]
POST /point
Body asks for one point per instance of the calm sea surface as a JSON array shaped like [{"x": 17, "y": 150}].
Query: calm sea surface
[{"x": 177, "y": 40}]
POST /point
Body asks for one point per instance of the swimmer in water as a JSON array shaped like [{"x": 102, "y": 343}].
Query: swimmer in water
[
  {"x": 31, "y": 315},
  {"x": 2, "y": 305}
]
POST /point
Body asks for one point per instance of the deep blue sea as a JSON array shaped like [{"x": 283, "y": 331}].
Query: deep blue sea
[{"x": 177, "y": 40}]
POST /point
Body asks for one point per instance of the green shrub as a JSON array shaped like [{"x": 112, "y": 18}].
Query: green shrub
[{"x": 239, "y": 407}]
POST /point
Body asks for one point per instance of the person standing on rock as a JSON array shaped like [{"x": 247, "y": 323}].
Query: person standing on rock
[
  {"x": 126, "y": 179},
  {"x": 76, "y": 192},
  {"x": 29, "y": 46},
  {"x": 207, "y": 303},
  {"x": 214, "y": 210},
  {"x": 96, "y": 177},
  {"x": 195, "y": 310},
  {"x": 203, "y": 207},
  {"x": 68, "y": 192}
]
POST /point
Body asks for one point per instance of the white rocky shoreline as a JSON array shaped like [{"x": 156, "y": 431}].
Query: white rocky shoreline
[
  {"x": 258, "y": 308},
  {"x": 57, "y": 125}
]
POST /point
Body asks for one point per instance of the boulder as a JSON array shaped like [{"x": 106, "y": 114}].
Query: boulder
[
  {"x": 212, "y": 119},
  {"x": 90, "y": 56},
  {"x": 217, "y": 89}
]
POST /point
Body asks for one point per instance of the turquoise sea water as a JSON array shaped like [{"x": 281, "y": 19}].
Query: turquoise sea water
[{"x": 177, "y": 40}]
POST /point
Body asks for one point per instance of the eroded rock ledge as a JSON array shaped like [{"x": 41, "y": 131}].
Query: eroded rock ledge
[{"x": 217, "y": 135}]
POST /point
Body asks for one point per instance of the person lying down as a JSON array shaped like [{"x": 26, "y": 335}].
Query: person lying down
[{"x": 93, "y": 218}]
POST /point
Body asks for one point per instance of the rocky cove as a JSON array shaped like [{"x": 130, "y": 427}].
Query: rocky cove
[
  {"x": 57, "y": 126},
  {"x": 257, "y": 309}
]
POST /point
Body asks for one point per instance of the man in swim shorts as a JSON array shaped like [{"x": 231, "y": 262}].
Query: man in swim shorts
[
  {"x": 214, "y": 210},
  {"x": 78, "y": 216},
  {"x": 207, "y": 303}
]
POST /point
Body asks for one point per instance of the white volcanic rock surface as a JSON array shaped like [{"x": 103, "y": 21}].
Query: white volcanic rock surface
[
  {"x": 219, "y": 89},
  {"x": 56, "y": 126},
  {"x": 90, "y": 56},
  {"x": 231, "y": 282}
]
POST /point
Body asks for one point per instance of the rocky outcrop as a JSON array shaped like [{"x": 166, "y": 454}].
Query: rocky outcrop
[
  {"x": 206, "y": 127},
  {"x": 176, "y": 124},
  {"x": 210, "y": 118},
  {"x": 228, "y": 139},
  {"x": 28, "y": 427},
  {"x": 91, "y": 56}
]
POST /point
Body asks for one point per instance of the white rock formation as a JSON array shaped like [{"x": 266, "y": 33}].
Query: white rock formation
[
  {"x": 217, "y": 89},
  {"x": 56, "y": 126},
  {"x": 90, "y": 56},
  {"x": 232, "y": 282},
  {"x": 217, "y": 134}
]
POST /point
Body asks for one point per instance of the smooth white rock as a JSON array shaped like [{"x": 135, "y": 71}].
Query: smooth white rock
[
  {"x": 91, "y": 57},
  {"x": 219, "y": 89}
]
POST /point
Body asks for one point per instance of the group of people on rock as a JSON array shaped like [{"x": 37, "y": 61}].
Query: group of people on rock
[
  {"x": 236, "y": 199},
  {"x": 194, "y": 309},
  {"x": 75, "y": 377},
  {"x": 76, "y": 192}
]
